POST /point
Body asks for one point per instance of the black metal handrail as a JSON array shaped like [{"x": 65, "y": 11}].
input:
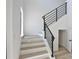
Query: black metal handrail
[
  {"x": 57, "y": 7},
  {"x": 51, "y": 17},
  {"x": 55, "y": 14},
  {"x": 52, "y": 36}
]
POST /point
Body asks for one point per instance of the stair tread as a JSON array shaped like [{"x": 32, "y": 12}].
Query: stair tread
[
  {"x": 33, "y": 54},
  {"x": 32, "y": 50},
  {"x": 31, "y": 37},
  {"x": 43, "y": 56},
  {"x": 32, "y": 47},
  {"x": 32, "y": 44}
]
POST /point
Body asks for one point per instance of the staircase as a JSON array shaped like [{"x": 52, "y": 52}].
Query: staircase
[{"x": 33, "y": 48}]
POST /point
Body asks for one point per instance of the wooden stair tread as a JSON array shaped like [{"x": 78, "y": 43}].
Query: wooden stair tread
[
  {"x": 32, "y": 47},
  {"x": 33, "y": 54}
]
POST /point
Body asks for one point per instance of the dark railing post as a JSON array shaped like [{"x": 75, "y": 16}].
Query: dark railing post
[
  {"x": 56, "y": 14},
  {"x": 44, "y": 27},
  {"x": 52, "y": 46},
  {"x": 66, "y": 8}
]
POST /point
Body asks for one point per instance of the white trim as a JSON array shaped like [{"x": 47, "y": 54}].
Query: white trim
[{"x": 21, "y": 15}]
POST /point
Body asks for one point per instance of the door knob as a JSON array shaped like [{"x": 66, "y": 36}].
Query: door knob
[{"x": 70, "y": 40}]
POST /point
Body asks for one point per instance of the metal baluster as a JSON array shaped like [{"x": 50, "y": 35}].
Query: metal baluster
[
  {"x": 44, "y": 27},
  {"x": 52, "y": 46},
  {"x": 66, "y": 8},
  {"x": 56, "y": 14}
]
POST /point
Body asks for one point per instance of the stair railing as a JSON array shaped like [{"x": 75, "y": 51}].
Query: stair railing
[{"x": 51, "y": 17}]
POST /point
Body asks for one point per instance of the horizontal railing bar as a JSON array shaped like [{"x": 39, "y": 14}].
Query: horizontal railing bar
[
  {"x": 51, "y": 15},
  {"x": 54, "y": 9},
  {"x": 51, "y": 23},
  {"x": 60, "y": 12},
  {"x": 54, "y": 17},
  {"x": 60, "y": 17},
  {"x": 49, "y": 12},
  {"x": 61, "y": 5}
]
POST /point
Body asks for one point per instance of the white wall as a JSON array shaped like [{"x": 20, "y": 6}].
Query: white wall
[
  {"x": 9, "y": 34},
  {"x": 69, "y": 37},
  {"x": 16, "y": 27},
  {"x": 13, "y": 29},
  {"x": 69, "y": 45},
  {"x": 33, "y": 12},
  {"x": 69, "y": 9}
]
